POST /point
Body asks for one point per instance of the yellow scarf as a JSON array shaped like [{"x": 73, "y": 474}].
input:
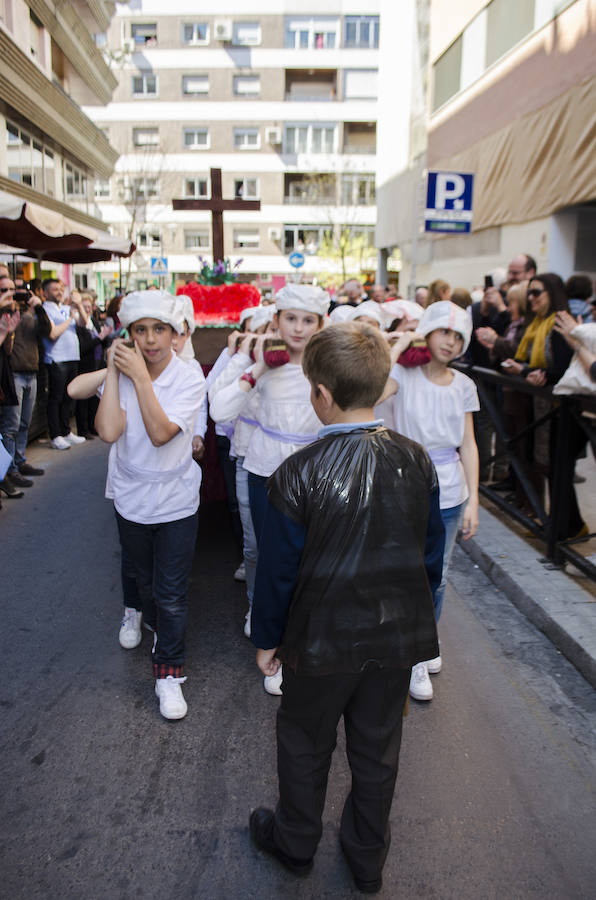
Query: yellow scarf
[{"x": 533, "y": 340}]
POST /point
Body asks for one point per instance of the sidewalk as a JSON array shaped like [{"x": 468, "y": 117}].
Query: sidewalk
[{"x": 561, "y": 603}]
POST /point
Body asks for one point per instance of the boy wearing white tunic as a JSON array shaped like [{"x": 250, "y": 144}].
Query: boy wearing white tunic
[{"x": 148, "y": 410}]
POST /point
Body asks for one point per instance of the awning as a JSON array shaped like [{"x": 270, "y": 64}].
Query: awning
[
  {"x": 47, "y": 235},
  {"x": 38, "y": 229}
]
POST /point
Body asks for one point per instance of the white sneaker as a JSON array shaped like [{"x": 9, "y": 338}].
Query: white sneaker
[
  {"x": 58, "y": 443},
  {"x": 272, "y": 683},
  {"x": 240, "y": 573},
  {"x": 420, "y": 686},
  {"x": 130, "y": 630},
  {"x": 247, "y": 623},
  {"x": 71, "y": 438},
  {"x": 172, "y": 704},
  {"x": 434, "y": 666}
]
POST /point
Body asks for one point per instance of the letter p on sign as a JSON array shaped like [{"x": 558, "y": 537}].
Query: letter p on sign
[{"x": 449, "y": 186}]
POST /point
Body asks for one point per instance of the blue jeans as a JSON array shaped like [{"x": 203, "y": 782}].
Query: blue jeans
[
  {"x": 15, "y": 420},
  {"x": 228, "y": 468},
  {"x": 161, "y": 557},
  {"x": 451, "y": 517},
  {"x": 248, "y": 531}
]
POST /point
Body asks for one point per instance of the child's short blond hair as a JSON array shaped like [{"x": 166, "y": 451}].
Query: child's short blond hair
[{"x": 351, "y": 360}]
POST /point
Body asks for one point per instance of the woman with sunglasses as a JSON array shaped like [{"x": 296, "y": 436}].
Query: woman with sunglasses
[{"x": 541, "y": 358}]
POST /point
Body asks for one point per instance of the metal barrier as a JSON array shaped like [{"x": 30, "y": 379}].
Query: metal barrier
[{"x": 565, "y": 411}]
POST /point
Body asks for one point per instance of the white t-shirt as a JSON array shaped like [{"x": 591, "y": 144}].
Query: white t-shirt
[
  {"x": 157, "y": 484},
  {"x": 434, "y": 416}
]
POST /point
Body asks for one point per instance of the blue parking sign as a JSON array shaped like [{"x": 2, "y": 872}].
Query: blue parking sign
[{"x": 449, "y": 202}]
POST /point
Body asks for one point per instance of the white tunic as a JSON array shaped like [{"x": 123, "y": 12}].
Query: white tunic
[
  {"x": 243, "y": 428},
  {"x": 434, "y": 416},
  {"x": 286, "y": 420},
  {"x": 157, "y": 484}
]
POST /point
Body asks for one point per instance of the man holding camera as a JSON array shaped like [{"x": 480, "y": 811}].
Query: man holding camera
[{"x": 24, "y": 363}]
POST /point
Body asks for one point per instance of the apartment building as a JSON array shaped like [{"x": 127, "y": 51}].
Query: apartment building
[
  {"x": 510, "y": 89},
  {"x": 50, "y": 151},
  {"x": 281, "y": 97}
]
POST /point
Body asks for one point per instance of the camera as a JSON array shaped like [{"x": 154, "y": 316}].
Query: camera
[
  {"x": 22, "y": 296},
  {"x": 488, "y": 282}
]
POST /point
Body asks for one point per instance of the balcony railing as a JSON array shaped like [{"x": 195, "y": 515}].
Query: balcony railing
[
  {"x": 360, "y": 148},
  {"x": 317, "y": 200},
  {"x": 310, "y": 98}
]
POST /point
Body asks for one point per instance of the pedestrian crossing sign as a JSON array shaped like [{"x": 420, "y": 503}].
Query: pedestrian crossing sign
[{"x": 159, "y": 265}]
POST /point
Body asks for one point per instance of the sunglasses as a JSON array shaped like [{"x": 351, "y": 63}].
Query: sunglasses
[{"x": 534, "y": 293}]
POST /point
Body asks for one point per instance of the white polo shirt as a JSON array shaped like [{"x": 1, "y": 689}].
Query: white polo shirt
[{"x": 151, "y": 484}]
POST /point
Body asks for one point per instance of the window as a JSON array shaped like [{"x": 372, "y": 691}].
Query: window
[
  {"x": 246, "y": 34},
  {"x": 195, "y": 84},
  {"x": 144, "y": 34},
  {"x": 360, "y": 84},
  {"x": 195, "y": 33},
  {"x": 311, "y": 33},
  {"x": 196, "y": 187},
  {"x": 196, "y": 240},
  {"x": 101, "y": 40},
  {"x": 196, "y": 138},
  {"x": 247, "y": 85},
  {"x": 29, "y": 161},
  {"x": 36, "y": 38},
  {"x": 358, "y": 190},
  {"x": 246, "y": 188},
  {"x": 309, "y": 139},
  {"x": 447, "y": 74},
  {"x": 247, "y": 138},
  {"x": 507, "y": 23},
  {"x": 145, "y": 137},
  {"x": 149, "y": 238},
  {"x": 75, "y": 181},
  {"x": 361, "y": 31},
  {"x": 102, "y": 188},
  {"x": 142, "y": 188},
  {"x": 246, "y": 238},
  {"x": 144, "y": 85},
  {"x": 305, "y": 238}
]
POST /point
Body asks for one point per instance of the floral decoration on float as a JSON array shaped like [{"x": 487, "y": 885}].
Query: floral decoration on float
[{"x": 217, "y": 298}]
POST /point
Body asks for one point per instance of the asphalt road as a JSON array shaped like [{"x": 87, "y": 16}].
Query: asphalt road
[{"x": 102, "y": 798}]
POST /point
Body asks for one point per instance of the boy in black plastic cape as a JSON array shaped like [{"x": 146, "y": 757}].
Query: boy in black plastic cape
[{"x": 350, "y": 555}]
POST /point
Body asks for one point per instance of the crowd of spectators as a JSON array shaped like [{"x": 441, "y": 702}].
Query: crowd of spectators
[{"x": 524, "y": 325}]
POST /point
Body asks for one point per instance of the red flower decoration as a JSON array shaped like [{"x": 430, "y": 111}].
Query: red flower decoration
[{"x": 220, "y": 304}]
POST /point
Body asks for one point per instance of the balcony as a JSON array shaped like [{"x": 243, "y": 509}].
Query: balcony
[
  {"x": 360, "y": 138},
  {"x": 314, "y": 85},
  {"x": 310, "y": 190}
]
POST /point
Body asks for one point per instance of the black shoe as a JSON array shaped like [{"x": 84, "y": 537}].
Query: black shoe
[
  {"x": 260, "y": 825},
  {"x": 18, "y": 480},
  {"x": 9, "y": 490},
  {"x": 26, "y": 469},
  {"x": 365, "y": 887}
]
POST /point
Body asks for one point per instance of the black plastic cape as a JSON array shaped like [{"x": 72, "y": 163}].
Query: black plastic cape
[{"x": 362, "y": 594}]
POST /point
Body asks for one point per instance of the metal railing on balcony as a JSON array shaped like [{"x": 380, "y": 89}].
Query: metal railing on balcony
[{"x": 315, "y": 200}]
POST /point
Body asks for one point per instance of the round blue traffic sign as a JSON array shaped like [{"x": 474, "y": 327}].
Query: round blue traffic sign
[{"x": 296, "y": 259}]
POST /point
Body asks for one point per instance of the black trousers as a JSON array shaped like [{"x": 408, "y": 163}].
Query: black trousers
[
  {"x": 59, "y": 403},
  {"x": 371, "y": 703}
]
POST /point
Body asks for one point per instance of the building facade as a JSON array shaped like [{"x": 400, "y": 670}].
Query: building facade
[
  {"x": 50, "y": 151},
  {"x": 283, "y": 101},
  {"x": 510, "y": 96}
]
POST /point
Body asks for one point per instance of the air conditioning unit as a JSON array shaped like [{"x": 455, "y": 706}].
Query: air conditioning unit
[
  {"x": 273, "y": 135},
  {"x": 128, "y": 45},
  {"x": 274, "y": 234},
  {"x": 222, "y": 29}
]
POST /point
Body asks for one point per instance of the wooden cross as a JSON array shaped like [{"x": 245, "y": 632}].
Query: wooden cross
[{"x": 216, "y": 204}]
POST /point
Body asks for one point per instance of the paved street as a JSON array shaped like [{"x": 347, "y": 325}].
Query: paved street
[{"x": 101, "y": 798}]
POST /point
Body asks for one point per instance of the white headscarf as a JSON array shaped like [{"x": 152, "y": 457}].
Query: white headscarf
[
  {"x": 398, "y": 309},
  {"x": 369, "y": 308},
  {"x": 303, "y": 296},
  {"x": 446, "y": 314},
  {"x": 262, "y": 315},
  {"x": 247, "y": 313},
  {"x": 151, "y": 305},
  {"x": 341, "y": 313}
]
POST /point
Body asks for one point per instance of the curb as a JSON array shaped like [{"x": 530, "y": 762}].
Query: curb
[{"x": 549, "y": 598}]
